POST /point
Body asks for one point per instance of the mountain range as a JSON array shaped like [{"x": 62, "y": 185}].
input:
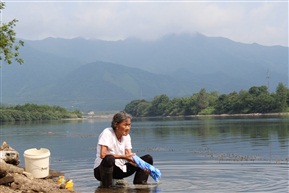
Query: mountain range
[{"x": 106, "y": 75}]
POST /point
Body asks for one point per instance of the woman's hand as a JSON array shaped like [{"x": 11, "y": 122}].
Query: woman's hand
[
  {"x": 146, "y": 171},
  {"x": 129, "y": 157}
]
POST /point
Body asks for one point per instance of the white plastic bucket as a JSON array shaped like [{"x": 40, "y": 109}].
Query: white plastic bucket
[{"x": 37, "y": 162}]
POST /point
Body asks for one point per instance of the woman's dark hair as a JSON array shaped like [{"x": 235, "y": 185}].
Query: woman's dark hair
[{"x": 119, "y": 117}]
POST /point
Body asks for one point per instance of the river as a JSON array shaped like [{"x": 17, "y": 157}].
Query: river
[{"x": 194, "y": 154}]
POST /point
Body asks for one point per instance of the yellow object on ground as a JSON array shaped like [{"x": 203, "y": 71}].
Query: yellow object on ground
[
  {"x": 61, "y": 180},
  {"x": 69, "y": 185}
]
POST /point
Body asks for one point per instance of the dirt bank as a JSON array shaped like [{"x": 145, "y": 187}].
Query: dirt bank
[
  {"x": 23, "y": 184},
  {"x": 14, "y": 179}
]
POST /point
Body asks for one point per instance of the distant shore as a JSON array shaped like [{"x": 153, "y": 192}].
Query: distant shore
[
  {"x": 213, "y": 115},
  {"x": 243, "y": 115}
]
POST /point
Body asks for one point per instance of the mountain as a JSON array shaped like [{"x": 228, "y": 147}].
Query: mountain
[
  {"x": 30, "y": 81},
  {"x": 98, "y": 85},
  {"x": 197, "y": 54},
  {"x": 108, "y": 84},
  {"x": 106, "y": 75}
]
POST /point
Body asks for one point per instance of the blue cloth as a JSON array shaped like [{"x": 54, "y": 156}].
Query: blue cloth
[{"x": 154, "y": 172}]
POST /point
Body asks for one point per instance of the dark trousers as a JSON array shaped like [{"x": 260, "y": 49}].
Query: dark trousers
[{"x": 109, "y": 161}]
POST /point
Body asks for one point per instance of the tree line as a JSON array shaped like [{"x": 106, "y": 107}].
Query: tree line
[
  {"x": 34, "y": 112},
  {"x": 255, "y": 100}
]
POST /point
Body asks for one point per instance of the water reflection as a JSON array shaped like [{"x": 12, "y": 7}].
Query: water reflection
[
  {"x": 130, "y": 189},
  {"x": 259, "y": 130},
  {"x": 193, "y": 154}
]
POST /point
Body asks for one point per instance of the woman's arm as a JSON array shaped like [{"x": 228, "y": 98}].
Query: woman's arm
[
  {"x": 104, "y": 152},
  {"x": 128, "y": 153}
]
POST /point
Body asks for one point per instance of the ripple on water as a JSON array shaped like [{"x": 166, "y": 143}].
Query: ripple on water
[
  {"x": 224, "y": 177},
  {"x": 193, "y": 176}
]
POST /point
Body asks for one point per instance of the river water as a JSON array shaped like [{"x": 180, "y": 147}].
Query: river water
[{"x": 216, "y": 154}]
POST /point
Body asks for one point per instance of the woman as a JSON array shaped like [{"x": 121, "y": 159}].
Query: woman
[{"x": 114, "y": 157}]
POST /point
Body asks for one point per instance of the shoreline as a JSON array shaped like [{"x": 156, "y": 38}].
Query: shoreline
[
  {"x": 212, "y": 115},
  {"x": 244, "y": 115}
]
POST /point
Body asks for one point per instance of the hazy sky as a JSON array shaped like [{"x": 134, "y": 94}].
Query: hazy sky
[{"x": 262, "y": 22}]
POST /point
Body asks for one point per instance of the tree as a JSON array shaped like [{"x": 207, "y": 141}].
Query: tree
[
  {"x": 281, "y": 97},
  {"x": 9, "y": 48},
  {"x": 256, "y": 100},
  {"x": 34, "y": 112},
  {"x": 245, "y": 102},
  {"x": 202, "y": 100},
  {"x": 159, "y": 105},
  {"x": 264, "y": 103},
  {"x": 258, "y": 90},
  {"x": 137, "y": 108}
]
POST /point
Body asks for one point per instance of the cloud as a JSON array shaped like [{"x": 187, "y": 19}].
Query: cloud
[{"x": 261, "y": 22}]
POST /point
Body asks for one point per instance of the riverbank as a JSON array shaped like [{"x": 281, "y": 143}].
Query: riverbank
[
  {"x": 213, "y": 115},
  {"x": 14, "y": 179},
  {"x": 23, "y": 184},
  {"x": 244, "y": 115}
]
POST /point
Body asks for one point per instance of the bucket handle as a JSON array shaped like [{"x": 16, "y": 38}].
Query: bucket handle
[{"x": 42, "y": 168}]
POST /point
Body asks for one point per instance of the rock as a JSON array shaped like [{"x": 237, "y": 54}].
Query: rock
[
  {"x": 9, "y": 167},
  {"x": 62, "y": 186},
  {"x": 7, "y": 180},
  {"x": 5, "y": 146},
  {"x": 11, "y": 157},
  {"x": 8, "y": 154},
  {"x": 25, "y": 183},
  {"x": 28, "y": 175},
  {"x": 15, "y": 186},
  {"x": 2, "y": 174},
  {"x": 13, "y": 179},
  {"x": 121, "y": 183},
  {"x": 54, "y": 174}
]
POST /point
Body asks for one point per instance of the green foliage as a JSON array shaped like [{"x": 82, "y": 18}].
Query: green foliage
[
  {"x": 281, "y": 97},
  {"x": 33, "y": 112},
  {"x": 256, "y": 100},
  {"x": 258, "y": 90},
  {"x": 207, "y": 111},
  {"x": 138, "y": 107},
  {"x": 202, "y": 100},
  {"x": 9, "y": 48},
  {"x": 158, "y": 105}
]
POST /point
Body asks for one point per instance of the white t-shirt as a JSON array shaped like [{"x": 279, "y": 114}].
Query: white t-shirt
[{"x": 108, "y": 138}]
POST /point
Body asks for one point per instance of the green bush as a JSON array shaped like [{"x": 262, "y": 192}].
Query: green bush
[
  {"x": 34, "y": 112},
  {"x": 256, "y": 100}
]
